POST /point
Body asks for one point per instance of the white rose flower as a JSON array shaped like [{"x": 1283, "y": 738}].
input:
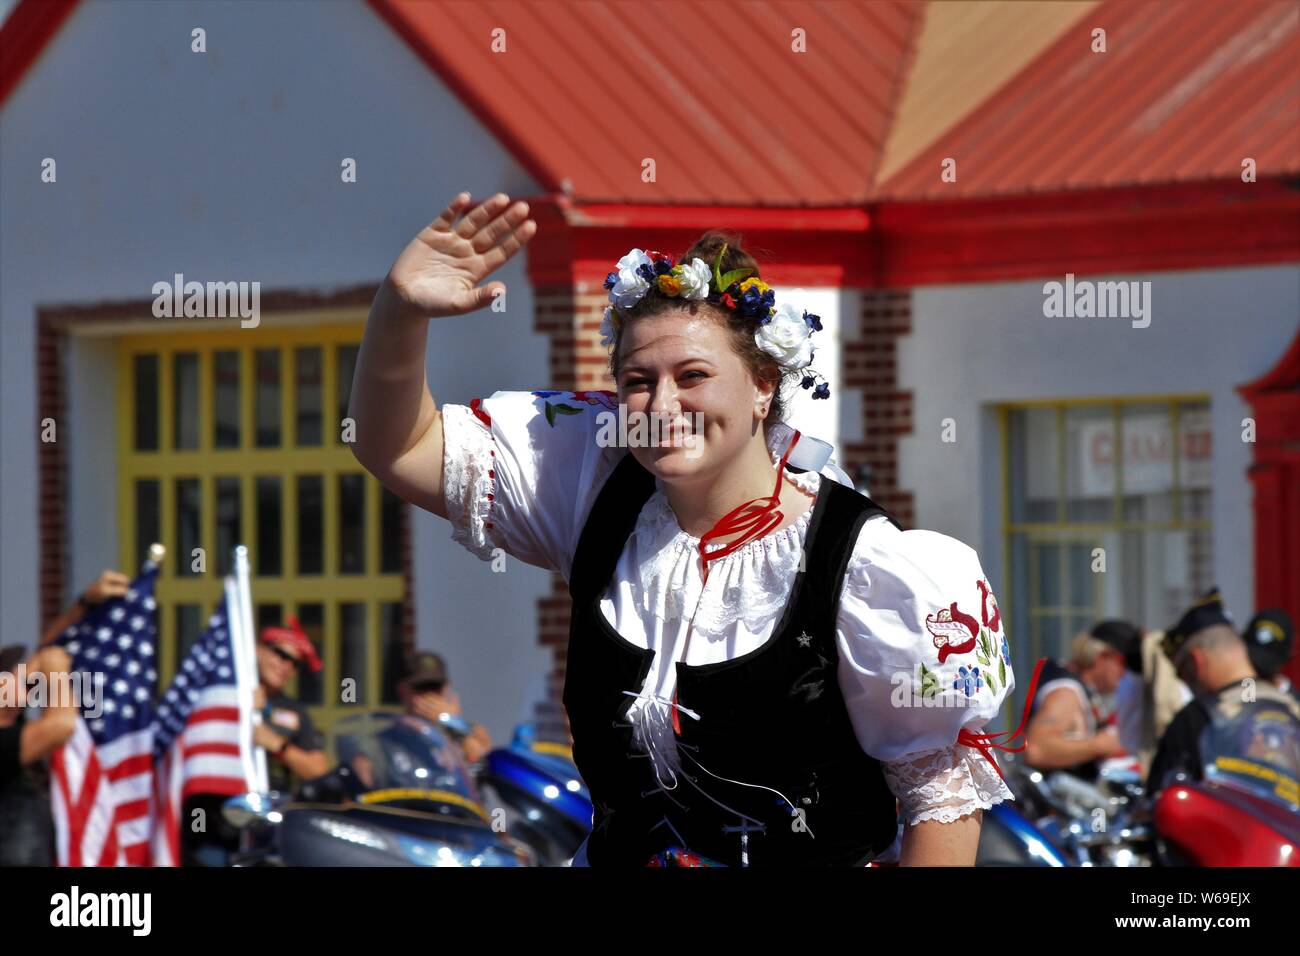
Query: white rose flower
[
  {"x": 786, "y": 337},
  {"x": 694, "y": 279},
  {"x": 630, "y": 287},
  {"x": 607, "y": 328}
]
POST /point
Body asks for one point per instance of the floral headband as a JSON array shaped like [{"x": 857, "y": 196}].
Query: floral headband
[{"x": 784, "y": 333}]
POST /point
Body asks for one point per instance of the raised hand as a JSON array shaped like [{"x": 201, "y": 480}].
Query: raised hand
[{"x": 439, "y": 271}]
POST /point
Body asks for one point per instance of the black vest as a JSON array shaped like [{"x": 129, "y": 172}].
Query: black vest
[{"x": 774, "y": 717}]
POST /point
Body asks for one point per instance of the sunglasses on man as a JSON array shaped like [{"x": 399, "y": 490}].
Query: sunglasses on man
[{"x": 285, "y": 655}]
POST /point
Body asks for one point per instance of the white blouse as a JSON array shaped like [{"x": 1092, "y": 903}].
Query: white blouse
[{"x": 525, "y": 484}]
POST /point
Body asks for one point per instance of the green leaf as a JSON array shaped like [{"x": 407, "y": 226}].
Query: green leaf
[
  {"x": 1002, "y": 671},
  {"x": 735, "y": 275},
  {"x": 992, "y": 684},
  {"x": 717, "y": 268},
  {"x": 567, "y": 410},
  {"x": 550, "y": 414}
]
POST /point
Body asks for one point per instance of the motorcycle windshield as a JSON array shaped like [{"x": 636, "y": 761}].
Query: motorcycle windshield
[
  {"x": 1258, "y": 750},
  {"x": 402, "y": 759}
]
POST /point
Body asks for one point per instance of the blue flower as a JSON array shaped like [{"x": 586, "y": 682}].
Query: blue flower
[
  {"x": 547, "y": 394},
  {"x": 611, "y": 280},
  {"x": 1006, "y": 650},
  {"x": 814, "y": 321},
  {"x": 646, "y": 271},
  {"x": 756, "y": 305},
  {"x": 808, "y": 382},
  {"x": 822, "y": 391},
  {"x": 968, "y": 680},
  {"x": 663, "y": 266}
]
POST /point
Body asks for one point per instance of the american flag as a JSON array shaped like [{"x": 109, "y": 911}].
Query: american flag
[
  {"x": 118, "y": 785},
  {"x": 101, "y": 780},
  {"x": 201, "y": 744}
]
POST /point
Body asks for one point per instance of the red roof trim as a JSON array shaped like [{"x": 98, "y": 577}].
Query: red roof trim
[{"x": 30, "y": 26}]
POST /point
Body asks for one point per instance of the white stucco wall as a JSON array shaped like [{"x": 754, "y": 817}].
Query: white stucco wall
[
  {"x": 973, "y": 346},
  {"x": 225, "y": 166}
]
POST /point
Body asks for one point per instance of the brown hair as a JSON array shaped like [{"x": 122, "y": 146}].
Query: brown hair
[{"x": 761, "y": 365}]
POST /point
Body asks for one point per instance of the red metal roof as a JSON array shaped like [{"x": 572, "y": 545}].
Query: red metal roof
[
  {"x": 1185, "y": 92},
  {"x": 587, "y": 91},
  {"x": 711, "y": 91}
]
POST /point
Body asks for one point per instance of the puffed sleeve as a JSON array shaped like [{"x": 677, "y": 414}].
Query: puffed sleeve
[
  {"x": 521, "y": 471},
  {"x": 923, "y": 657}
]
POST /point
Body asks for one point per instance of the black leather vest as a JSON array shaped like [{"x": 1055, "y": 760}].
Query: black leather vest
[{"x": 773, "y": 718}]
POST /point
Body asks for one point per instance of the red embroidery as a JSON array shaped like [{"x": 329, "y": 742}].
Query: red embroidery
[
  {"x": 986, "y": 596},
  {"x": 481, "y": 415},
  {"x": 949, "y": 629}
]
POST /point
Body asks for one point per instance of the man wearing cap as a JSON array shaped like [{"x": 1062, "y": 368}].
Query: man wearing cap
[
  {"x": 286, "y": 732},
  {"x": 292, "y": 744},
  {"x": 1211, "y": 657},
  {"x": 426, "y": 691},
  {"x": 1269, "y": 637}
]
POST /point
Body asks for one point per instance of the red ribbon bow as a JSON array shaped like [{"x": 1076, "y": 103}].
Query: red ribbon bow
[{"x": 985, "y": 743}]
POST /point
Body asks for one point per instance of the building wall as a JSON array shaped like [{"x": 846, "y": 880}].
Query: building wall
[
  {"x": 973, "y": 346},
  {"x": 226, "y": 166}
]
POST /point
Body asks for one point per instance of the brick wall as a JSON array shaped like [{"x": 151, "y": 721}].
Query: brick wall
[
  {"x": 52, "y": 466},
  {"x": 871, "y": 366},
  {"x": 571, "y": 320}
]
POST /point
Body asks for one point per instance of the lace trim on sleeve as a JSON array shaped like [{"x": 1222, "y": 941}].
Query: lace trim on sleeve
[
  {"x": 944, "y": 785},
  {"x": 469, "y": 479}
]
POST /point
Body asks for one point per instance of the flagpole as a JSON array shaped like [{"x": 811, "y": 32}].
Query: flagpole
[{"x": 240, "y": 603}]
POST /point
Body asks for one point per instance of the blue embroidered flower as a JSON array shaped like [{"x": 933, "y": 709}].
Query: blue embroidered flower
[
  {"x": 1006, "y": 650},
  {"x": 547, "y": 394},
  {"x": 968, "y": 680},
  {"x": 814, "y": 321}
]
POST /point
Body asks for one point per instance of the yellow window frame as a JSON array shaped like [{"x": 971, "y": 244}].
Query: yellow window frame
[
  {"x": 286, "y": 461},
  {"x": 1062, "y": 530}
]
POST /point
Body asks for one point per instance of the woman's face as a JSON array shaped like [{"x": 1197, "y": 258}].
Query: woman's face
[{"x": 680, "y": 374}]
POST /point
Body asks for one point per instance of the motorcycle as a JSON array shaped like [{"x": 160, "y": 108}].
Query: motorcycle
[
  {"x": 543, "y": 798},
  {"x": 1089, "y": 823},
  {"x": 548, "y": 806},
  {"x": 1245, "y": 811},
  {"x": 400, "y": 795}
]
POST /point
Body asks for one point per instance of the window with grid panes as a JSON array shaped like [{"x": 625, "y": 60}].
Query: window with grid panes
[
  {"x": 235, "y": 437},
  {"x": 1127, "y": 481}
]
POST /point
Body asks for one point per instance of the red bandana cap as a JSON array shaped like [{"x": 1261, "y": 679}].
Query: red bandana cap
[{"x": 293, "y": 636}]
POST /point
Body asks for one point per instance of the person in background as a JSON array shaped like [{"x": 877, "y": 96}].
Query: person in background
[
  {"x": 1211, "y": 657},
  {"x": 287, "y": 732},
  {"x": 26, "y": 826},
  {"x": 425, "y": 691},
  {"x": 1269, "y": 638},
  {"x": 26, "y": 740},
  {"x": 1063, "y": 732},
  {"x": 292, "y": 744},
  {"x": 1125, "y": 639}
]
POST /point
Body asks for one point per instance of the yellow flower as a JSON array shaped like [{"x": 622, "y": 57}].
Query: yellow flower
[
  {"x": 670, "y": 285},
  {"x": 758, "y": 284}
]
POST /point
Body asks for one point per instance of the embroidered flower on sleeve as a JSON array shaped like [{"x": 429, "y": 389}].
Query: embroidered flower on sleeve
[{"x": 968, "y": 680}]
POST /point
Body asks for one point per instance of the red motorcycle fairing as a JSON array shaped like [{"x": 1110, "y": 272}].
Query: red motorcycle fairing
[{"x": 1217, "y": 824}]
